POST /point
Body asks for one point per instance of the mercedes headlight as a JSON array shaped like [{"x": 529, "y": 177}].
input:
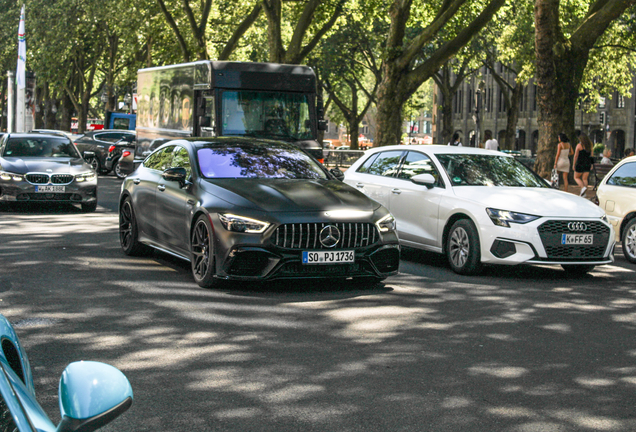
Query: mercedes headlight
[
  {"x": 87, "y": 176},
  {"x": 386, "y": 224},
  {"x": 503, "y": 218},
  {"x": 242, "y": 224},
  {"x": 8, "y": 176}
]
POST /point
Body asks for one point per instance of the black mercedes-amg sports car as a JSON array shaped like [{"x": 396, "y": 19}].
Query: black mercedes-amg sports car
[
  {"x": 254, "y": 210},
  {"x": 40, "y": 167}
]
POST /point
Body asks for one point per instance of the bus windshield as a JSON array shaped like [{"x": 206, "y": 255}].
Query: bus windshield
[{"x": 273, "y": 115}]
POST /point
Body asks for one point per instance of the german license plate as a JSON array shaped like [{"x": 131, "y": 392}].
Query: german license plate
[
  {"x": 577, "y": 239},
  {"x": 50, "y": 189},
  {"x": 322, "y": 257}
]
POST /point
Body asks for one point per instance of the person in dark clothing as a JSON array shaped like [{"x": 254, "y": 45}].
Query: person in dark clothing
[{"x": 582, "y": 162}]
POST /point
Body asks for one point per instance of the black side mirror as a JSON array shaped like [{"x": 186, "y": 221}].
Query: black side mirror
[
  {"x": 88, "y": 155},
  {"x": 204, "y": 121},
  {"x": 322, "y": 125},
  {"x": 339, "y": 175},
  {"x": 177, "y": 174}
]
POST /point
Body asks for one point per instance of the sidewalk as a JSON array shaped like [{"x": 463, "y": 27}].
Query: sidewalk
[{"x": 575, "y": 189}]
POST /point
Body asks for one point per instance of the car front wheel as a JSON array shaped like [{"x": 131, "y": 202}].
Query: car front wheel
[
  {"x": 463, "y": 249},
  {"x": 117, "y": 170},
  {"x": 202, "y": 248},
  {"x": 128, "y": 230},
  {"x": 628, "y": 241}
]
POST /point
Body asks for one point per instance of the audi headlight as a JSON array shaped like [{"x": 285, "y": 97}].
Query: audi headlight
[
  {"x": 386, "y": 224},
  {"x": 87, "y": 176},
  {"x": 8, "y": 176},
  {"x": 504, "y": 217},
  {"x": 242, "y": 224}
]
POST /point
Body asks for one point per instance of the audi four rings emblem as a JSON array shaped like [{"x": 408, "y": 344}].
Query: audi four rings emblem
[
  {"x": 577, "y": 226},
  {"x": 329, "y": 236}
]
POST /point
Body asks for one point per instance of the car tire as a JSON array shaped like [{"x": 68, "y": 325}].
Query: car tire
[
  {"x": 129, "y": 231},
  {"x": 202, "y": 251},
  {"x": 117, "y": 170},
  {"x": 578, "y": 269},
  {"x": 628, "y": 241},
  {"x": 89, "y": 207},
  {"x": 97, "y": 166},
  {"x": 463, "y": 249}
]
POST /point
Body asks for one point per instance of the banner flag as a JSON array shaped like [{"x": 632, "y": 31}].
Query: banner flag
[{"x": 20, "y": 75}]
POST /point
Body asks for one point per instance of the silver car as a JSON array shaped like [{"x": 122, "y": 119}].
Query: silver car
[{"x": 39, "y": 167}]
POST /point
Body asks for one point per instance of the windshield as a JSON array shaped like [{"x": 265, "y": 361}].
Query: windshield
[
  {"x": 257, "y": 161},
  {"x": 266, "y": 115},
  {"x": 487, "y": 170},
  {"x": 40, "y": 147}
]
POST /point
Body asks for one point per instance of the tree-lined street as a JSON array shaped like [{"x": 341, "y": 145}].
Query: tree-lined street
[{"x": 516, "y": 349}]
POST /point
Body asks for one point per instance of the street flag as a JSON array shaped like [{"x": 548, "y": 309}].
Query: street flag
[{"x": 20, "y": 75}]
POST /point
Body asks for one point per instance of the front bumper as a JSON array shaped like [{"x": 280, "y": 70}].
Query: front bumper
[
  {"x": 540, "y": 242},
  {"x": 278, "y": 254},
  {"x": 84, "y": 192}
]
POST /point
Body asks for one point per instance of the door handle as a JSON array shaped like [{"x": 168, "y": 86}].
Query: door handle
[
  {"x": 396, "y": 191},
  {"x": 161, "y": 187},
  {"x": 136, "y": 181},
  {"x": 191, "y": 202},
  {"x": 359, "y": 185}
]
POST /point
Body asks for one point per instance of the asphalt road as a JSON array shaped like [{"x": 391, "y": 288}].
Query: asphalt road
[{"x": 517, "y": 349}]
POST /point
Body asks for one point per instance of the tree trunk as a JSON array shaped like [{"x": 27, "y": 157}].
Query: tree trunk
[
  {"x": 67, "y": 112},
  {"x": 513, "y": 117},
  {"x": 3, "y": 103},
  {"x": 390, "y": 103}
]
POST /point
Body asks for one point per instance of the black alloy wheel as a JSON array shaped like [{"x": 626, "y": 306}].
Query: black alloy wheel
[
  {"x": 463, "y": 248},
  {"x": 94, "y": 162},
  {"x": 203, "y": 253},
  {"x": 128, "y": 230}
]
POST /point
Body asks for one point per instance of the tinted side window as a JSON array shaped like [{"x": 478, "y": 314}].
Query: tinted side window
[
  {"x": 364, "y": 168},
  {"x": 386, "y": 163},
  {"x": 160, "y": 160},
  {"x": 624, "y": 176},
  {"x": 109, "y": 137},
  {"x": 418, "y": 163},
  {"x": 182, "y": 159}
]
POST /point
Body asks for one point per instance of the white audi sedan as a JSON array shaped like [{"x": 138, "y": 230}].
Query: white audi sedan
[{"x": 482, "y": 207}]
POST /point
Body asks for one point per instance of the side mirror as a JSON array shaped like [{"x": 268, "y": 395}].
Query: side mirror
[
  {"x": 322, "y": 125},
  {"x": 339, "y": 175},
  {"x": 88, "y": 155},
  {"x": 91, "y": 395},
  {"x": 177, "y": 174},
  {"x": 424, "y": 180}
]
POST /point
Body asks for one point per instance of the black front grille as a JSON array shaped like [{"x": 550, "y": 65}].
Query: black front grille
[
  {"x": 61, "y": 178},
  {"x": 307, "y": 235},
  {"x": 37, "y": 178},
  {"x": 552, "y": 231}
]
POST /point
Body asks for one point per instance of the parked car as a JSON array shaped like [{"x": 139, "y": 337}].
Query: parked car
[
  {"x": 482, "y": 207},
  {"x": 617, "y": 196},
  {"x": 252, "y": 210},
  {"x": 98, "y": 142},
  {"x": 91, "y": 394},
  {"x": 45, "y": 168},
  {"x": 118, "y": 152}
]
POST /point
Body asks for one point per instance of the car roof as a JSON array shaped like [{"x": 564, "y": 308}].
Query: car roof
[
  {"x": 37, "y": 135},
  {"x": 440, "y": 149}
]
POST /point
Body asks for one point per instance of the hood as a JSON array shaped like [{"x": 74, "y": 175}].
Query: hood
[
  {"x": 276, "y": 195},
  {"x": 535, "y": 201},
  {"x": 55, "y": 165}
]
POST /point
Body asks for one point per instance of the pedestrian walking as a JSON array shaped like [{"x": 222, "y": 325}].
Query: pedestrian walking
[
  {"x": 455, "y": 141},
  {"x": 562, "y": 159},
  {"x": 491, "y": 143},
  {"x": 583, "y": 162}
]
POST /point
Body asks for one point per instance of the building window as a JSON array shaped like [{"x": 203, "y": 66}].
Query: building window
[
  {"x": 620, "y": 100},
  {"x": 601, "y": 102}
]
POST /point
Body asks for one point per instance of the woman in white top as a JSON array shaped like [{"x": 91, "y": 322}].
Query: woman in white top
[
  {"x": 562, "y": 160},
  {"x": 491, "y": 143}
]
